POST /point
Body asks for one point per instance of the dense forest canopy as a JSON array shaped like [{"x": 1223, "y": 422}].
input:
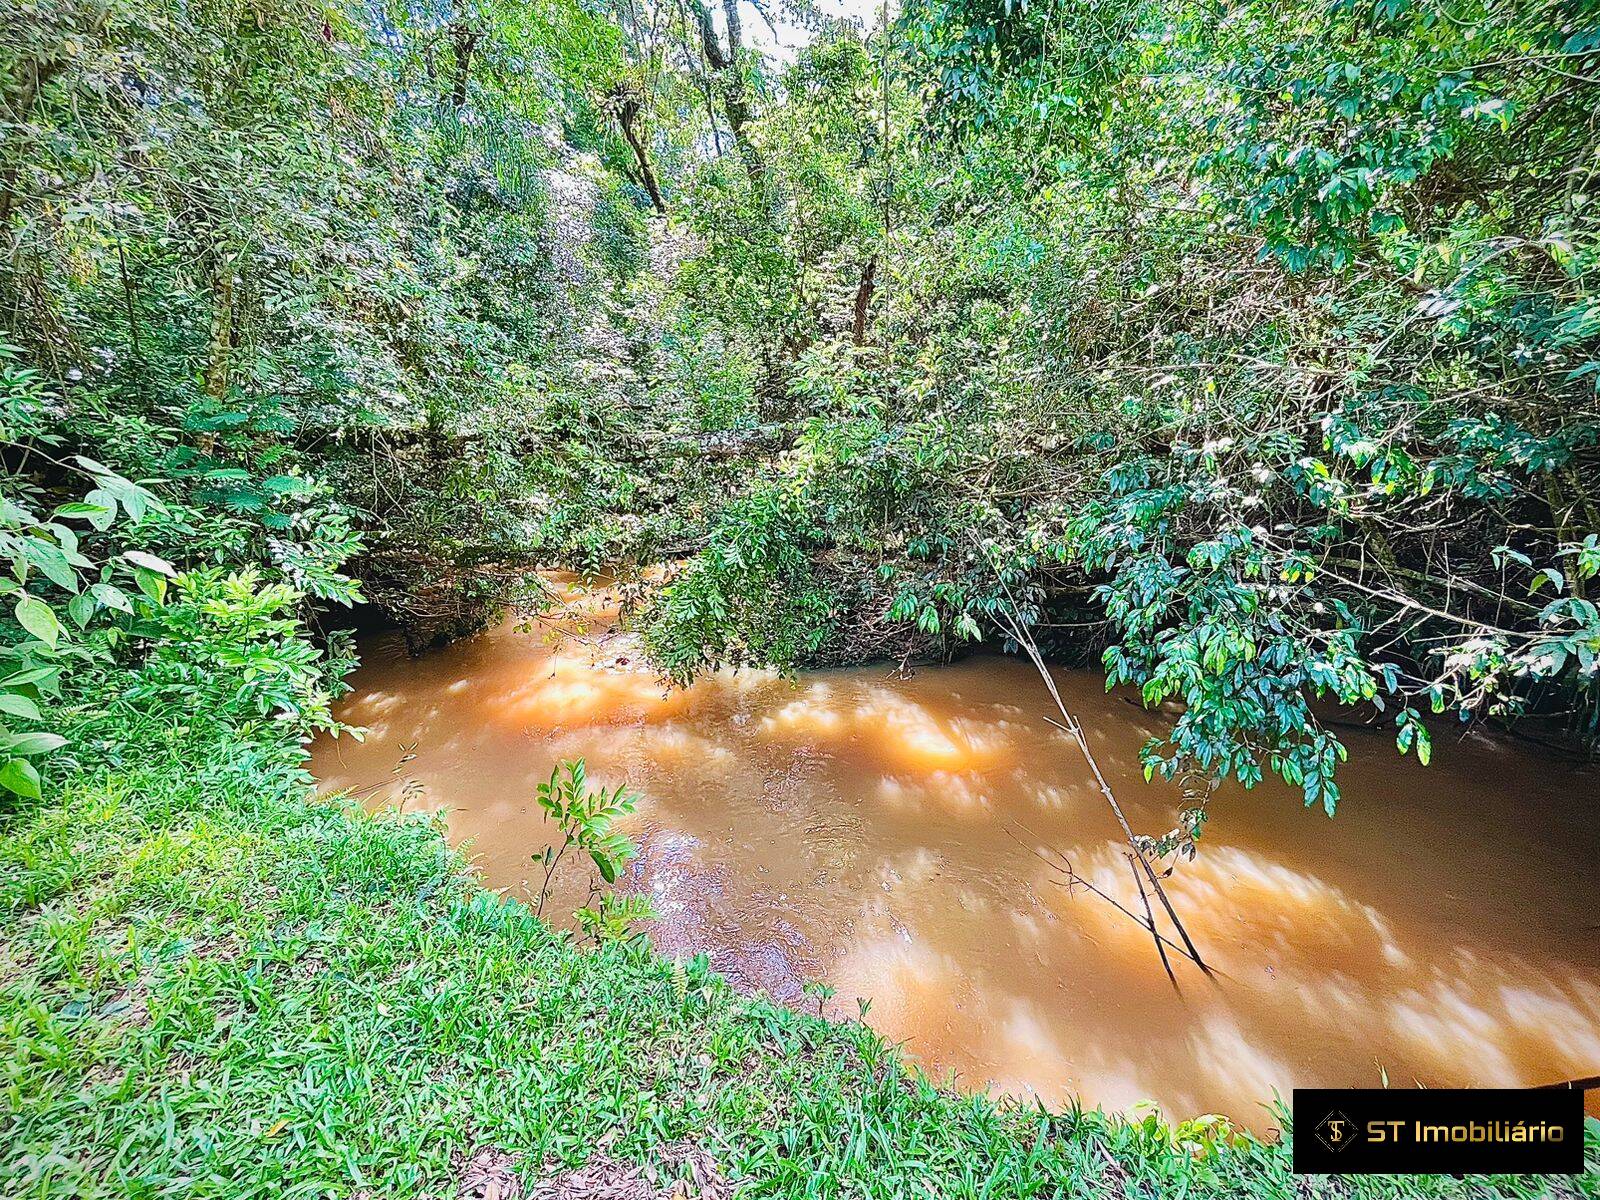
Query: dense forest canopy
[{"x": 1250, "y": 348}]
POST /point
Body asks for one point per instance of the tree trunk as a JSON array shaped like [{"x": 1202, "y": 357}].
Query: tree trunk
[
  {"x": 725, "y": 62},
  {"x": 1561, "y": 512},
  {"x": 463, "y": 41},
  {"x": 219, "y": 351},
  {"x": 864, "y": 292},
  {"x": 628, "y": 110},
  {"x": 19, "y": 98}
]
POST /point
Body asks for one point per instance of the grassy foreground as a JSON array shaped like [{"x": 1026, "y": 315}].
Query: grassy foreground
[{"x": 214, "y": 987}]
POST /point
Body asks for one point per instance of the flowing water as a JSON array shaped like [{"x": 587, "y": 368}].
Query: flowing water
[{"x": 884, "y": 835}]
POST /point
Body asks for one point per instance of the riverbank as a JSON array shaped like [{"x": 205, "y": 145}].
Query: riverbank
[
  {"x": 901, "y": 840},
  {"x": 217, "y": 985}
]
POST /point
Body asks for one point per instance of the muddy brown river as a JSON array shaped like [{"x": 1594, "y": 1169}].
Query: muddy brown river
[{"x": 878, "y": 834}]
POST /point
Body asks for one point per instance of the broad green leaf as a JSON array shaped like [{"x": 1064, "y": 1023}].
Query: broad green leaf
[
  {"x": 52, "y": 561},
  {"x": 106, "y": 504},
  {"x": 151, "y": 584},
  {"x": 111, "y": 596},
  {"x": 81, "y": 609},
  {"x": 149, "y": 562},
  {"x": 22, "y": 777},
  {"x": 39, "y": 619},
  {"x": 18, "y": 706},
  {"x": 31, "y": 743}
]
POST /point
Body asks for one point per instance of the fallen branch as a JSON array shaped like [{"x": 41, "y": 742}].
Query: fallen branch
[
  {"x": 1071, "y": 726},
  {"x": 1075, "y": 880},
  {"x": 1150, "y": 923}
]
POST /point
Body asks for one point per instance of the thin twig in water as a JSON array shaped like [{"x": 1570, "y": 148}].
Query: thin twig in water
[
  {"x": 1075, "y": 880},
  {"x": 1150, "y": 921},
  {"x": 1071, "y": 726}
]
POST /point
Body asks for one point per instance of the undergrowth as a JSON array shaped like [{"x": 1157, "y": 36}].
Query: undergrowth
[{"x": 214, "y": 984}]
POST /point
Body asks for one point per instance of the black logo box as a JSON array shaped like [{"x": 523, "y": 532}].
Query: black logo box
[{"x": 1445, "y": 1131}]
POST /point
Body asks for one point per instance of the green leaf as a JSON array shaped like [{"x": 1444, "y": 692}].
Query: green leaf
[
  {"x": 151, "y": 584},
  {"x": 105, "y": 505},
  {"x": 18, "y": 706},
  {"x": 149, "y": 562},
  {"x": 111, "y": 596},
  {"x": 31, "y": 743},
  {"x": 39, "y": 619},
  {"x": 131, "y": 496},
  {"x": 20, "y": 776},
  {"x": 52, "y": 560},
  {"x": 81, "y": 609},
  {"x": 79, "y": 509},
  {"x": 285, "y": 485},
  {"x": 1548, "y": 575}
]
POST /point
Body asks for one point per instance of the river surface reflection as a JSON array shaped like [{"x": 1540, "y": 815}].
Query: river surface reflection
[{"x": 877, "y": 833}]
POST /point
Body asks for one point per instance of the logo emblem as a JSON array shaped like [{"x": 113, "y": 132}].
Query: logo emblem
[{"x": 1336, "y": 1131}]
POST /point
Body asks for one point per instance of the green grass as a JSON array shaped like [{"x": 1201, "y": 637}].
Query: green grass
[{"x": 212, "y": 985}]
